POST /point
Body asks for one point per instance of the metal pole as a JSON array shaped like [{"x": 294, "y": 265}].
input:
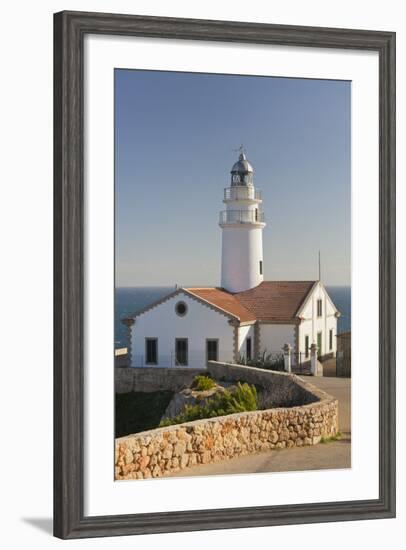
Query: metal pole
[{"x": 319, "y": 267}]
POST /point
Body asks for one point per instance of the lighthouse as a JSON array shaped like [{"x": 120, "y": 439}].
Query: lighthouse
[
  {"x": 242, "y": 224},
  {"x": 247, "y": 316}
]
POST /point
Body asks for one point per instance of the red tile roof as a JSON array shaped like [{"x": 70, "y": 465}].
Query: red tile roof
[
  {"x": 223, "y": 300},
  {"x": 277, "y": 301}
]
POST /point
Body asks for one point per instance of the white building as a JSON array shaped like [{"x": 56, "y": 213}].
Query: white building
[{"x": 247, "y": 316}]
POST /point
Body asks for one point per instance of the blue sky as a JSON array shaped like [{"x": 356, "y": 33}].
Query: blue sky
[{"x": 175, "y": 134}]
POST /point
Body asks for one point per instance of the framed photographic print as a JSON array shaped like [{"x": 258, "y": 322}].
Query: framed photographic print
[{"x": 224, "y": 274}]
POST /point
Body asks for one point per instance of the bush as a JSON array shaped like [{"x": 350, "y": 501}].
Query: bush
[
  {"x": 203, "y": 383},
  {"x": 243, "y": 398}
]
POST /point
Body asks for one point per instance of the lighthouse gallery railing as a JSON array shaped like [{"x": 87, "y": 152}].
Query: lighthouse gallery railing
[
  {"x": 241, "y": 216},
  {"x": 242, "y": 192}
]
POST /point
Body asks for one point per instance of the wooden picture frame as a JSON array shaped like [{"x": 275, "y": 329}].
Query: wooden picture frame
[{"x": 70, "y": 29}]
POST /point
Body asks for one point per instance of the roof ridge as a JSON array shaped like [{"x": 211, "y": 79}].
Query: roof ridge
[{"x": 290, "y": 281}]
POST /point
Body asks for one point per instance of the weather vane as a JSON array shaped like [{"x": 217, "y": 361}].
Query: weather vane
[{"x": 240, "y": 149}]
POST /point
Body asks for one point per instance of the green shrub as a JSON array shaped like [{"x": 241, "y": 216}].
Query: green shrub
[
  {"x": 242, "y": 398},
  {"x": 335, "y": 437},
  {"x": 203, "y": 383}
]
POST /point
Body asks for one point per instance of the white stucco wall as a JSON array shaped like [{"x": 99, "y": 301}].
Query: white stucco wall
[
  {"x": 245, "y": 332},
  {"x": 199, "y": 323},
  {"x": 312, "y": 324},
  {"x": 273, "y": 337}
]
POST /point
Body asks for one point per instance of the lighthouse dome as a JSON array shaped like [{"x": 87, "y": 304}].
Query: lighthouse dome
[
  {"x": 242, "y": 172},
  {"x": 242, "y": 166}
]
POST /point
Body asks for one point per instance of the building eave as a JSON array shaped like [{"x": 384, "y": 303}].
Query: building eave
[
  {"x": 212, "y": 306},
  {"x": 306, "y": 299},
  {"x": 248, "y": 323},
  {"x": 276, "y": 321},
  {"x": 308, "y": 295},
  {"x": 336, "y": 311},
  {"x": 157, "y": 303}
]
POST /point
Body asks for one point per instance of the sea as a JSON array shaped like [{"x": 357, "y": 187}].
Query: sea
[{"x": 129, "y": 300}]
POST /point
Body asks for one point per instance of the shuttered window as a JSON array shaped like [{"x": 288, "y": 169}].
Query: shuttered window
[
  {"x": 181, "y": 351},
  {"x": 151, "y": 351},
  {"x": 212, "y": 350}
]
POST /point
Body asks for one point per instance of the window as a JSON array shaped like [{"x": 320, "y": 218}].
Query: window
[
  {"x": 212, "y": 350},
  {"x": 319, "y": 343},
  {"x": 181, "y": 351},
  {"x": 260, "y": 267},
  {"x": 248, "y": 349},
  {"x": 330, "y": 339},
  {"x": 319, "y": 308},
  {"x": 181, "y": 309},
  {"x": 256, "y": 214},
  {"x": 306, "y": 346},
  {"x": 151, "y": 351}
]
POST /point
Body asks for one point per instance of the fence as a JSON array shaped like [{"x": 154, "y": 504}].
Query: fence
[
  {"x": 195, "y": 359},
  {"x": 268, "y": 361},
  {"x": 300, "y": 362},
  {"x": 242, "y": 192},
  {"x": 241, "y": 216},
  {"x": 275, "y": 361}
]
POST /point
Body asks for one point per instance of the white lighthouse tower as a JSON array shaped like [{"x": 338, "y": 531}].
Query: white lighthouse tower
[{"x": 242, "y": 223}]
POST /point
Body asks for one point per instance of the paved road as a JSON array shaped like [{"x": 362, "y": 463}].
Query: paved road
[
  {"x": 341, "y": 389},
  {"x": 334, "y": 455}
]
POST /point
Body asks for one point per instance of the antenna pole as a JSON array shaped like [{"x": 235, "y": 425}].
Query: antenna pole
[
  {"x": 239, "y": 149},
  {"x": 319, "y": 267}
]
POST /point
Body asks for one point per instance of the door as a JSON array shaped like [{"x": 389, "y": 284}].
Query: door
[
  {"x": 212, "y": 350},
  {"x": 181, "y": 351},
  {"x": 248, "y": 349},
  {"x": 319, "y": 343}
]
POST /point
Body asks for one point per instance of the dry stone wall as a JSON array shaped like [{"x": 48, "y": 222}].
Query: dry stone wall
[
  {"x": 278, "y": 388},
  {"x": 149, "y": 379},
  {"x": 163, "y": 451}
]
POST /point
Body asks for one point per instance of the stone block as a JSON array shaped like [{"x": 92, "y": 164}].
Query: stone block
[{"x": 128, "y": 456}]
